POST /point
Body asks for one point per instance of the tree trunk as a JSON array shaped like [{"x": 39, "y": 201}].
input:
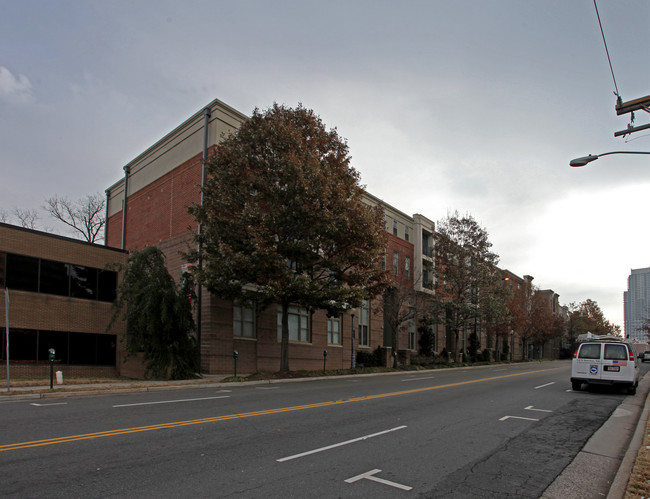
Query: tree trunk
[{"x": 284, "y": 344}]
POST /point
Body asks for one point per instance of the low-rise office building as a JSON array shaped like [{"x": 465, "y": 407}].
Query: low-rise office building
[{"x": 60, "y": 293}]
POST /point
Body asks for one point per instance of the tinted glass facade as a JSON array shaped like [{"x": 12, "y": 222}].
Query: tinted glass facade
[{"x": 37, "y": 275}]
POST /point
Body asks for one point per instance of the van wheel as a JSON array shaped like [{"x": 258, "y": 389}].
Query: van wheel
[
  {"x": 576, "y": 386},
  {"x": 631, "y": 390}
]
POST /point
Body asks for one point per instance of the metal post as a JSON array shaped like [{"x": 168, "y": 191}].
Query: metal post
[
  {"x": 235, "y": 354},
  {"x": 324, "y": 359},
  {"x": 352, "y": 344},
  {"x": 7, "y": 333},
  {"x": 207, "y": 114},
  {"x": 52, "y": 357}
]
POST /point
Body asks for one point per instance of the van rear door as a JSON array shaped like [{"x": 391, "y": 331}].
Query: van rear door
[
  {"x": 617, "y": 365},
  {"x": 587, "y": 364}
]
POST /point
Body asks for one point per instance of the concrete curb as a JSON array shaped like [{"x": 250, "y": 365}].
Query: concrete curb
[{"x": 619, "y": 485}]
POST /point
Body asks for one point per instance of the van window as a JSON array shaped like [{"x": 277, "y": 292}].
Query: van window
[
  {"x": 615, "y": 352},
  {"x": 590, "y": 351}
]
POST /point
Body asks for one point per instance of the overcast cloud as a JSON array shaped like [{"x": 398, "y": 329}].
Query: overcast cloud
[{"x": 446, "y": 105}]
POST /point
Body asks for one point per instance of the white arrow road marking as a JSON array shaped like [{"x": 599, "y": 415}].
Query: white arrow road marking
[
  {"x": 532, "y": 408},
  {"x": 517, "y": 417},
  {"x": 547, "y": 384},
  {"x": 172, "y": 401},
  {"x": 369, "y": 475},
  {"x": 47, "y": 405},
  {"x": 333, "y": 446}
]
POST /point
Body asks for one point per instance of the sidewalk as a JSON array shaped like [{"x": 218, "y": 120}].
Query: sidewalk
[{"x": 615, "y": 459}]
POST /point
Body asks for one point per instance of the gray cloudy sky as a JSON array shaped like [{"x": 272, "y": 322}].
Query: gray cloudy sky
[{"x": 446, "y": 105}]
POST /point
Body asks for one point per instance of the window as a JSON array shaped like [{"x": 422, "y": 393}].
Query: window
[
  {"x": 615, "y": 352},
  {"x": 22, "y": 273},
  {"x": 406, "y": 233},
  {"x": 3, "y": 265},
  {"x": 426, "y": 249},
  {"x": 334, "y": 330},
  {"x": 71, "y": 348},
  {"x": 106, "y": 285},
  {"x": 83, "y": 281},
  {"x": 364, "y": 322},
  {"x": 395, "y": 263},
  {"x": 54, "y": 278},
  {"x": 243, "y": 320},
  {"x": 412, "y": 331},
  {"x": 407, "y": 267},
  {"x": 394, "y": 227},
  {"x": 298, "y": 324},
  {"x": 26, "y": 273},
  {"x": 589, "y": 351}
]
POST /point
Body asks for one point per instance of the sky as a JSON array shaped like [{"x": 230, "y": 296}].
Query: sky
[{"x": 446, "y": 105}]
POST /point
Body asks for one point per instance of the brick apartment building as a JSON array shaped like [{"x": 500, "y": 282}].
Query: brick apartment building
[
  {"x": 60, "y": 296},
  {"x": 148, "y": 206}
]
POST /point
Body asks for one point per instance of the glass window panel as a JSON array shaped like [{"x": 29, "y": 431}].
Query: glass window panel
[
  {"x": 293, "y": 327},
  {"x": 334, "y": 330},
  {"x": 22, "y": 272},
  {"x": 54, "y": 278},
  {"x": 106, "y": 285},
  {"x": 615, "y": 352},
  {"x": 83, "y": 281},
  {"x": 589, "y": 352},
  {"x": 244, "y": 321},
  {"x": 3, "y": 265},
  {"x": 23, "y": 344}
]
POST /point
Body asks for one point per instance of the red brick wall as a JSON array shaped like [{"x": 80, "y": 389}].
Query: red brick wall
[{"x": 158, "y": 212}]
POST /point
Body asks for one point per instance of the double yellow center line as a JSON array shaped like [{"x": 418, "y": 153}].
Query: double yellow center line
[{"x": 228, "y": 417}]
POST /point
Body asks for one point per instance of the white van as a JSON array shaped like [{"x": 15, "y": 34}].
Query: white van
[{"x": 605, "y": 363}]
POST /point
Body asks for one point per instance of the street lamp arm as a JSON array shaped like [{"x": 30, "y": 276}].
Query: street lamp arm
[{"x": 593, "y": 157}]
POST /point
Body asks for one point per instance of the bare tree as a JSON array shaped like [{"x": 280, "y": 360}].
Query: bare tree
[
  {"x": 27, "y": 217},
  {"x": 86, "y": 215},
  {"x": 4, "y": 216}
]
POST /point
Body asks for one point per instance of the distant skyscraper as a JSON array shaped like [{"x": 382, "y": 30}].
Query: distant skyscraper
[{"x": 637, "y": 304}]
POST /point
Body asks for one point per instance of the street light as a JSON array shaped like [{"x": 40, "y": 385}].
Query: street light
[{"x": 593, "y": 157}]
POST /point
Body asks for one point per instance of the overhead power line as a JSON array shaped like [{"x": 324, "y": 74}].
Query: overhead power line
[{"x": 607, "y": 51}]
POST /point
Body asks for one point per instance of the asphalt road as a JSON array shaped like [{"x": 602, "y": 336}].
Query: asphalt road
[{"x": 499, "y": 431}]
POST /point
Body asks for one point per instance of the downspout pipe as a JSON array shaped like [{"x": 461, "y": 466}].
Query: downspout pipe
[
  {"x": 108, "y": 198},
  {"x": 127, "y": 171},
  {"x": 207, "y": 114}
]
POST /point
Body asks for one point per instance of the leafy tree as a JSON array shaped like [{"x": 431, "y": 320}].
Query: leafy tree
[
  {"x": 467, "y": 276},
  {"x": 402, "y": 306},
  {"x": 544, "y": 325},
  {"x": 283, "y": 220},
  {"x": 86, "y": 216},
  {"x": 158, "y": 315},
  {"x": 588, "y": 317},
  {"x": 519, "y": 309}
]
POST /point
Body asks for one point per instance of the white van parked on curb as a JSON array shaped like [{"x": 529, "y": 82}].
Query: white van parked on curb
[{"x": 605, "y": 362}]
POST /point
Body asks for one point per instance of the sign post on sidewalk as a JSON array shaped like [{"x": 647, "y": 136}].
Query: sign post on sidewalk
[{"x": 7, "y": 333}]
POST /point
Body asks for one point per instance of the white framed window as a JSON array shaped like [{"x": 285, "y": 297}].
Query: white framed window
[
  {"x": 407, "y": 267},
  {"x": 243, "y": 320},
  {"x": 406, "y": 232},
  {"x": 299, "y": 319},
  {"x": 394, "y": 227},
  {"x": 395, "y": 263},
  {"x": 364, "y": 323},
  {"x": 334, "y": 330}
]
